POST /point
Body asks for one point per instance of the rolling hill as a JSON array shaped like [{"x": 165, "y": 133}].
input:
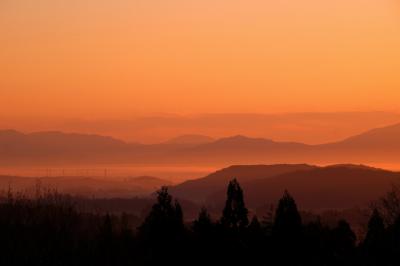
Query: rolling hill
[
  {"x": 332, "y": 187},
  {"x": 199, "y": 189}
]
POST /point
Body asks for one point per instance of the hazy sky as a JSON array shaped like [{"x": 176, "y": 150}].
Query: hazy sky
[{"x": 96, "y": 58}]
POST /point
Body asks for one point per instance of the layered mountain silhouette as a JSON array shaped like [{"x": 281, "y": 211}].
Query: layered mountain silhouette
[
  {"x": 308, "y": 127},
  {"x": 331, "y": 187},
  {"x": 377, "y": 145}
]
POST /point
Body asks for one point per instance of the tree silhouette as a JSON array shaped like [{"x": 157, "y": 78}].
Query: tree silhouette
[
  {"x": 287, "y": 223},
  {"x": 268, "y": 219},
  {"x": 106, "y": 241},
  {"x": 373, "y": 246},
  {"x": 164, "y": 218},
  {"x": 205, "y": 240},
  {"x": 376, "y": 230},
  {"x": 286, "y": 231},
  {"x": 393, "y": 242},
  {"x": 203, "y": 224},
  {"x": 313, "y": 244},
  {"x": 255, "y": 226},
  {"x": 163, "y": 230},
  {"x": 47, "y": 231},
  {"x": 390, "y": 205},
  {"x": 235, "y": 212},
  {"x": 343, "y": 242},
  {"x": 256, "y": 242}
]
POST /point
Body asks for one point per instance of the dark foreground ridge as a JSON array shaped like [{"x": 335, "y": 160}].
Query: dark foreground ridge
[{"x": 50, "y": 230}]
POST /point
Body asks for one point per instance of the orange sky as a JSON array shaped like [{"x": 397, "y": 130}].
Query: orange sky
[{"x": 97, "y": 58}]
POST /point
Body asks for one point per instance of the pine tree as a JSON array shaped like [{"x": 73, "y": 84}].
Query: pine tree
[
  {"x": 286, "y": 231},
  {"x": 254, "y": 226},
  {"x": 393, "y": 242},
  {"x": 268, "y": 219},
  {"x": 106, "y": 241},
  {"x": 343, "y": 241},
  {"x": 106, "y": 229},
  {"x": 163, "y": 230},
  {"x": 235, "y": 212},
  {"x": 373, "y": 246},
  {"x": 178, "y": 217},
  {"x": 165, "y": 218},
  {"x": 203, "y": 224},
  {"x": 287, "y": 223},
  {"x": 376, "y": 231}
]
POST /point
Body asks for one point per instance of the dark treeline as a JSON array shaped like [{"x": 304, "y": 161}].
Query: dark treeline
[{"x": 49, "y": 230}]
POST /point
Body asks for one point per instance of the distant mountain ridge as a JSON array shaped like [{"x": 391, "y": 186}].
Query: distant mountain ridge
[
  {"x": 54, "y": 146},
  {"x": 305, "y": 127},
  {"x": 375, "y": 138},
  {"x": 190, "y": 139},
  {"x": 56, "y": 139},
  {"x": 377, "y": 145}
]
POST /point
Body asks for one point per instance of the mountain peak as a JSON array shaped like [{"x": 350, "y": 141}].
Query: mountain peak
[
  {"x": 190, "y": 139},
  {"x": 382, "y": 137},
  {"x": 10, "y": 132},
  {"x": 242, "y": 138}
]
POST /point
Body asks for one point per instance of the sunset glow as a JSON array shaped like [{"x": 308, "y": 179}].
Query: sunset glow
[
  {"x": 115, "y": 59},
  {"x": 200, "y": 132}
]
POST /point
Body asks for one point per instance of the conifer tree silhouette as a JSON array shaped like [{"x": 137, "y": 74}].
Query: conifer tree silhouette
[
  {"x": 106, "y": 241},
  {"x": 235, "y": 212},
  {"x": 374, "y": 246},
  {"x": 203, "y": 224},
  {"x": 343, "y": 241},
  {"x": 164, "y": 218},
  {"x": 287, "y": 221},
  {"x": 163, "y": 230},
  {"x": 254, "y": 226},
  {"x": 393, "y": 242},
  {"x": 286, "y": 231},
  {"x": 376, "y": 231}
]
